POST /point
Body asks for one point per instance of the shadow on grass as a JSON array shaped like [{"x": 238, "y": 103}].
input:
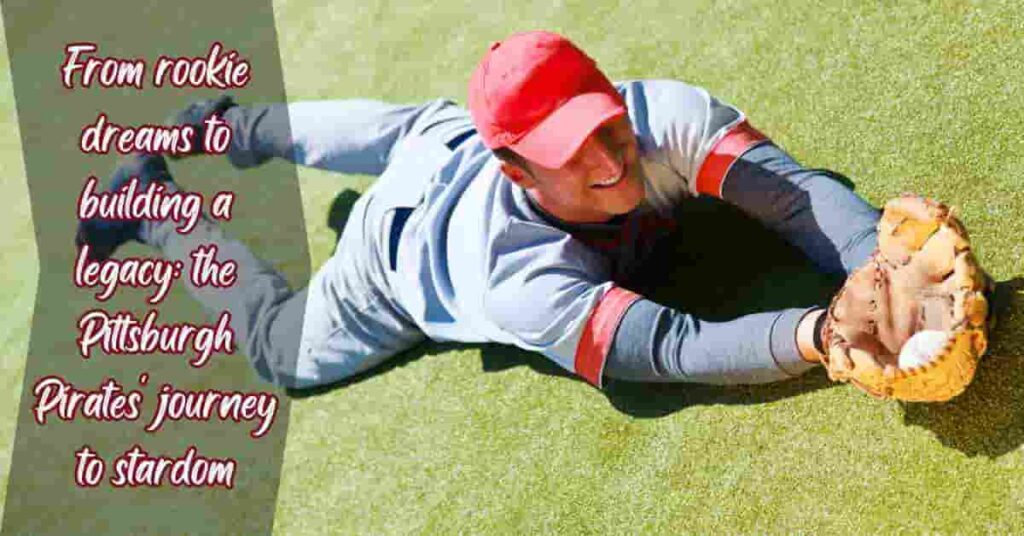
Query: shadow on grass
[
  {"x": 340, "y": 209},
  {"x": 720, "y": 265},
  {"x": 988, "y": 418}
]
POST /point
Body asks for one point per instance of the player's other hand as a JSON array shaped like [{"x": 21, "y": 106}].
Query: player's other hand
[{"x": 196, "y": 114}]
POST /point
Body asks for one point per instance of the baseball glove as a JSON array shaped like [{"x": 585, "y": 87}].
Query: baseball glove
[{"x": 911, "y": 323}]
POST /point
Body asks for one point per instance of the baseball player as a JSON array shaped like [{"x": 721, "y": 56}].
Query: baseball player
[{"x": 517, "y": 221}]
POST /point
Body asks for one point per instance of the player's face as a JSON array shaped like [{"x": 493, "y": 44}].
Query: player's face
[{"x": 600, "y": 181}]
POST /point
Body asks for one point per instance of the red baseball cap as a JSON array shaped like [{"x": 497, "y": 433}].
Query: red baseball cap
[{"x": 541, "y": 96}]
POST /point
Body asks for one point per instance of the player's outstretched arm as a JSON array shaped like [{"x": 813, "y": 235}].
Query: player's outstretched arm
[
  {"x": 654, "y": 343},
  {"x": 811, "y": 208},
  {"x": 549, "y": 293},
  {"x": 701, "y": 145}
]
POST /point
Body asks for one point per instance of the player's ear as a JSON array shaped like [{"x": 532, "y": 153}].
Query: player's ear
[{"x": 518, "y": 175}]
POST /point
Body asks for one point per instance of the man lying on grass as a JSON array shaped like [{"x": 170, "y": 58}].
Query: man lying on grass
[{"x": 520, "y": 221}]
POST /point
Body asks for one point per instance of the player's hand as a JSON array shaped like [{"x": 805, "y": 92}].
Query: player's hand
[{"x": 196, "y": 114}]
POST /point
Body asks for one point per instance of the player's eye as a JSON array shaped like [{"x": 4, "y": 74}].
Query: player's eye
[
  {"x": 607, "y": 137},
  {"x": 616, "y": 134}
]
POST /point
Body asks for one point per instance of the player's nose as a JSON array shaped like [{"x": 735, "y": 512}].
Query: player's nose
[{"x": 605, "y": 159}]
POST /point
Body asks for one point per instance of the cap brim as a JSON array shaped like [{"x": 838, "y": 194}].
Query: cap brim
[{"x": 553, "y": 142}]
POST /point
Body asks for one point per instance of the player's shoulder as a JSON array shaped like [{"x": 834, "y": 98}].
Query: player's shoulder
[
  {"x": 654, "y": 92},
  {"x": 660, "y": 107}
]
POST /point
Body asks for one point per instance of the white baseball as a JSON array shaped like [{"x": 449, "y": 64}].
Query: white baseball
[{"x": 921, "y": 347}]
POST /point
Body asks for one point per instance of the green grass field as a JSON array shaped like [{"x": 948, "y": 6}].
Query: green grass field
[{"x": 920, "y": 96}]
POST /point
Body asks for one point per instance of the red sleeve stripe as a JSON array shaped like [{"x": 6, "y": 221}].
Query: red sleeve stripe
[
  {"x": 718, "y": 162},
  {"x": 596, "y": 342}
]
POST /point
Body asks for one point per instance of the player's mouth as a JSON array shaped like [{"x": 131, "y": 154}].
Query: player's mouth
[{"x": 611, "y": 181}]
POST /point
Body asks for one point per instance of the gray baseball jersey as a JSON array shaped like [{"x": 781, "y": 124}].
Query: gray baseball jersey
[{"x": 442, "y": 246}]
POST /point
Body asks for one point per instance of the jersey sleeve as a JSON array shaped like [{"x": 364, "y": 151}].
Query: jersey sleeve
[
  {"x": 655, "y": 343},
  {"x": 553, "y": 295},
  {"x": 811, "y": 208}
]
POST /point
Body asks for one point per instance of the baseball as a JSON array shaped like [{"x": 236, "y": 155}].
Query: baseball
[{"x": 920, "y": 348}]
